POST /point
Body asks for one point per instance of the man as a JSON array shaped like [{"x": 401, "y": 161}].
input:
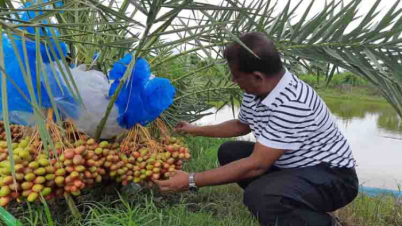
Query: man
[{"x": 301, "y": 166}]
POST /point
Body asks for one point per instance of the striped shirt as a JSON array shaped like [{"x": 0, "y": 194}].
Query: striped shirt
[{"x": 295, "y": 119}]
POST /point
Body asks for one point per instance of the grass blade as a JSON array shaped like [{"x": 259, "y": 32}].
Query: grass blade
[
  {"x": 4, "y": 99},
  {"x": 8, "y": 219},
  {"x": 47, "y": 211}
]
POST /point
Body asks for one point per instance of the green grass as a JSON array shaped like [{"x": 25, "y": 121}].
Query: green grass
[
  {"x": 219, "y": 205},
  {"x": 364, "y": 93},
  {"x": 337, "y": 79},
  {"x": 384, "y": 210},
  {"x": 344, "y": 86}
]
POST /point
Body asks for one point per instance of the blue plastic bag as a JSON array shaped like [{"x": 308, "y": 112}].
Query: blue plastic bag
[
  {"x": 20, "y": 110},
  {"x": 142, "y": 98},
  {"x": 18, "y": 105},
  {"x": 158, "y": 95},
  {"x": 63, "y": 99},
  {"x": 27, "y": 16},
  {"x": 12, "y": 68}
]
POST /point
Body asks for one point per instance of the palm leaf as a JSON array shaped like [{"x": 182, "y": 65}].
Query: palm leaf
[
  {"x": 323, "y": 37},
  {"x": 323, "y": 41}
]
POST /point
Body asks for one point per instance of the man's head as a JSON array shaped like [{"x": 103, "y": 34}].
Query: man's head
[{"x": 254, "y": 75}]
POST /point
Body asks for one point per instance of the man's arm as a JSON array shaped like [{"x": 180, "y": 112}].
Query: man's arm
[
  {"x": 231, "y": 128},
  {"x": 256, "y": 164}
]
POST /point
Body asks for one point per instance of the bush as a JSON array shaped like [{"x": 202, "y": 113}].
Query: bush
[{"x": 337, "y": 80}]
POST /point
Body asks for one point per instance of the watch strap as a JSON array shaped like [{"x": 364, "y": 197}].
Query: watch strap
[{"x": 192, "y": 186}]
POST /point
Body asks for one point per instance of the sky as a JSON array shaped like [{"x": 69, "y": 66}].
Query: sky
[{"x": 318, "y": 5}]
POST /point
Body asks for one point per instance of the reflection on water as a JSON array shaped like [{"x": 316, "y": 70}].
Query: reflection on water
[
  {"x": 349, "y": 110},
  {"x": 374, "y": 131},
  {"x": 390, "y": 123}
]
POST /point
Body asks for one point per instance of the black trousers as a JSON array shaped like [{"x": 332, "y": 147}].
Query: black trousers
[{"x": 293, "y": 197}]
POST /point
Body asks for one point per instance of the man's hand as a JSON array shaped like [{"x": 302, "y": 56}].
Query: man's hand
[
  {"x": 184, "y": 127},
  {"x": 256, "y": 164},
  {"x": 253, "y": 166},
  {"x": 176, "y": 183}
]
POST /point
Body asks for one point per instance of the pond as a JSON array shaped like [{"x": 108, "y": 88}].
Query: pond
[{"x": 374, "y": 131}]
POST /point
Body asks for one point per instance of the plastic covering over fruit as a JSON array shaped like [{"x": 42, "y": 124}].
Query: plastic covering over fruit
[
  {"x": 19, "y": 99},
  {"x": 28, "y": 15},
  {"x": 94, "y": 88},
  {"x": 142, "y": 99},
  {"x": 75, "y": 161}
]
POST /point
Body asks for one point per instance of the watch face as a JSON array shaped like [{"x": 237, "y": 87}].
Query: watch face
[{"x": 194, "y": 189}]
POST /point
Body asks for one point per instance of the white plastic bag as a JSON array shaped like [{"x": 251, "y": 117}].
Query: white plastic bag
[{"x": 94, "y": 89}]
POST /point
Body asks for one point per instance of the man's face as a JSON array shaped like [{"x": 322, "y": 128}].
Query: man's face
[{"x": 247, "y": 82}]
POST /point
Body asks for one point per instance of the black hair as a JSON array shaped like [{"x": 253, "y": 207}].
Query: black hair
[{"x": 269, "y": 62}]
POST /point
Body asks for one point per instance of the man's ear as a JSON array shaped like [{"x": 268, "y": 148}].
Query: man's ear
[{"x": 259, "y": 76}]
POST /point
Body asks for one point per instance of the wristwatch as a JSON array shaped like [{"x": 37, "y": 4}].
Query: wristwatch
[{"x": 192, "y": 186}]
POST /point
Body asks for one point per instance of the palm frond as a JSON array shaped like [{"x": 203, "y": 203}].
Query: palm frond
[
  {"x": 168, "y": 32},
  {"x": 370, "y": 50}
]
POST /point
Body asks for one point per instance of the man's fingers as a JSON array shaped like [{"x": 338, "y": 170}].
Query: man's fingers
[
  {"x": 151, "y": 183},
  {"x": 178, "y": 128},
  {"x": 165, "y": 189},
  {"x": 162, "y": 186},
  {"x": 172, "y": 174},
  {"x": 160, "y": 182},
  {"x": 179, "y": 125}
]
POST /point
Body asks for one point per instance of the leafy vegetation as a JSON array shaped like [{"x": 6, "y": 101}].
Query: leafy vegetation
[
  {"x": 200, "y": 30},
  {"x": 345, "y": 86},
  {"x": 340, "y": 79}
]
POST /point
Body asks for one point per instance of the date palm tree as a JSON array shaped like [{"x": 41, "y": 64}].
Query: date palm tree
[{"x": 169, "y": 33}]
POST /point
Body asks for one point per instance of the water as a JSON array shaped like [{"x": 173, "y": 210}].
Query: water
[{"x": 374, "y": 131}]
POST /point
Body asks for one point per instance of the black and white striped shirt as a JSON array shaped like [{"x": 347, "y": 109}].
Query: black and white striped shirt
[{"x": 295, "y": 119}]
